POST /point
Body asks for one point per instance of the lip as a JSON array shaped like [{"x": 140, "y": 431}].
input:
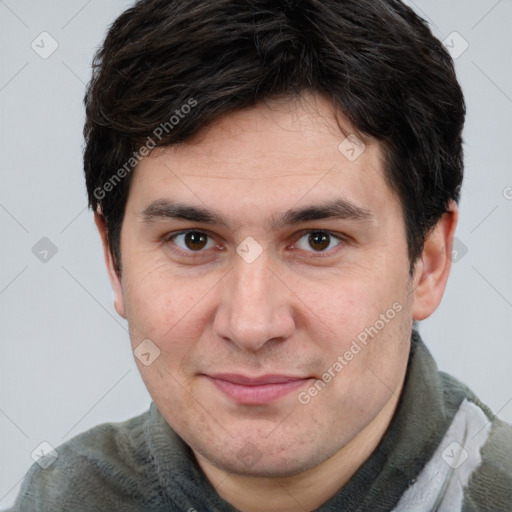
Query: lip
[{"x": 255, "y": 390}]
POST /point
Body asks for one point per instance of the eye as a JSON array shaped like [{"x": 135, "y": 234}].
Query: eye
[
  {"x": 319, "y": 241},
  {"x": 192, "y": 241}
]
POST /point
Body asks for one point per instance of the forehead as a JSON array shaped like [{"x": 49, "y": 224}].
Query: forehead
[{"x": 266, "y": 158}]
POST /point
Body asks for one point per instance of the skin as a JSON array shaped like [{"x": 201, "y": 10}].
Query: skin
[{"x": 292, "y": 311}]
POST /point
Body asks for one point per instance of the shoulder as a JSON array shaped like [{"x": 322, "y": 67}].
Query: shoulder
[
  {"x": 490, "y": 485},
  {"x": 108, "y": 467}
]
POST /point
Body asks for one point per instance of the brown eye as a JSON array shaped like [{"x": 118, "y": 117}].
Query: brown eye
[
  {"x": 192, "y": 241},
  {"x": 195, "y": 241},
  {"x": 319, "y": 241}
]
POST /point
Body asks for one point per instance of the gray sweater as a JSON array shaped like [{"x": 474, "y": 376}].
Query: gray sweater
[{"x": 443, "y": 451}]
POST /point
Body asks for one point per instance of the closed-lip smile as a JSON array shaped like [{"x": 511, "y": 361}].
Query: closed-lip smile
[{"x": 255, "y": 390}]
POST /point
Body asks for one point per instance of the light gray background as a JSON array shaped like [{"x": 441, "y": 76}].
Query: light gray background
[{"x": 65, "y": 361}]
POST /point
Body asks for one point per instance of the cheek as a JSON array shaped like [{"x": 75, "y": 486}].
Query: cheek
[
  {"x": 159, "y": 305},
  {"x": 368, "y": 350},
  {"x": 361, "y": 377},
  {"x": 346, "y": 303}
]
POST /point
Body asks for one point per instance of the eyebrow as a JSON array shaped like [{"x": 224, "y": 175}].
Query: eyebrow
[{"x": 164, "y": 209}]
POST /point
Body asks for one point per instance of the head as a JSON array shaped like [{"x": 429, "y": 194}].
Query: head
[{"x": 275, "y": 184}]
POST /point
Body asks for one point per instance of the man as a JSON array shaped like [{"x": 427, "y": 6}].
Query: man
[{"x": 276, "y": 186}]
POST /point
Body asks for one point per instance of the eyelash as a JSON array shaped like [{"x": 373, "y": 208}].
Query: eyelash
[{"x": 194, "y": 254}]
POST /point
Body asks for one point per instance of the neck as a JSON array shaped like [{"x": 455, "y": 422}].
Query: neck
[{"x": 307, "y": 490}]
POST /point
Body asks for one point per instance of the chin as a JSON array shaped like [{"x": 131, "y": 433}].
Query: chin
[{"x": 266, "y": 460}]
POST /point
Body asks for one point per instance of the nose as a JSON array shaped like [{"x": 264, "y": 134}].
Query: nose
[{"x": 255, "y": 306}]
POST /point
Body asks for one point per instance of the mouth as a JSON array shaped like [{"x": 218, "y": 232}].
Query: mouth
[{"x": 255, "y": 390}]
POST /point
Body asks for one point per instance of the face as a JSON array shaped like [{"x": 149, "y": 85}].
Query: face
[{"x": 269, "y": 268}]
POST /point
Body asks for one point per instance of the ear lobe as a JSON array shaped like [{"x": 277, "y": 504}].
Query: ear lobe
[
  {"x": 432, "y": 271},
  {"x": 115, "y": 280}
]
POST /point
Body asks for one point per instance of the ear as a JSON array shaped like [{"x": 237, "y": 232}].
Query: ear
[
  {"x": 115, "y": 280},
  {"x": 432, "y": 269}
]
